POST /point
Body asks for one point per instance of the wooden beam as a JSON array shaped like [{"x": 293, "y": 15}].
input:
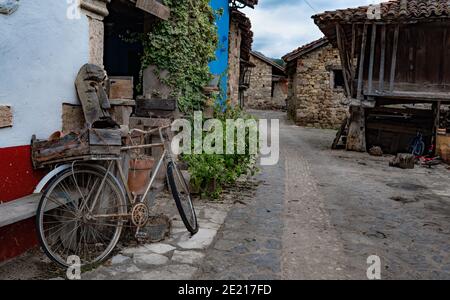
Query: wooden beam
[
  {"x": 352, "y": 59},
  {"x": 343, "y": 52},
  {"x": 361, "y": 62},
  {"x": 394, "y": 58},
  {"x": 382, "y": 58},
  {"x": 372, "y": 56},
  {"x": 437, "y": 116},
  {"x": 155, "y": 8}
]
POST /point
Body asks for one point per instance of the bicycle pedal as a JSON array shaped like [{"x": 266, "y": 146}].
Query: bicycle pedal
[{"x": 141, "y": 235}]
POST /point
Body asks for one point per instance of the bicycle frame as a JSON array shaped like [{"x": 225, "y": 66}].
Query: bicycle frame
[{"x": 133, "y": 199}]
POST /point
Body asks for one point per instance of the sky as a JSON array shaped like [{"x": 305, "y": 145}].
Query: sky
[{"x": 281, "y": 26}]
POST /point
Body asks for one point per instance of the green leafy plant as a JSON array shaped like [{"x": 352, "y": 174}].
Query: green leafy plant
[
  {"x": 210, "y": 173},
  {"x": 184, "y": 45}
]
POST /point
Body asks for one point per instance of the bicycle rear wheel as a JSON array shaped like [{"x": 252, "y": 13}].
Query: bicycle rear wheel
[
  {"x": 65, "y": 223},
  {"x": 182, "y": 197}
]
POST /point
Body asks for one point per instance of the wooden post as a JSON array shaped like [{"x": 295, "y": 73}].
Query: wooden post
[
  {"x": 356, "y": 138},
  {"x": 372, "y": 56},
  {"x": 361, "y": 62},
  {"x": 382, "y": 58},
  {"x": 394, "y": 58},
  {"x": 343, "y": 54},
  {"x": 437, "y": 116}
]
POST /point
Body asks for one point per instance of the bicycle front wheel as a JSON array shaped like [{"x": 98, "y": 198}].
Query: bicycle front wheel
[
  {"x": 70, "y": 223},
  {"x": 182, "y": 197}
]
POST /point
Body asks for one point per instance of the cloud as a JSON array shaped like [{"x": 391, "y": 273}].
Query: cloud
[{"x": 281, "y": 26}]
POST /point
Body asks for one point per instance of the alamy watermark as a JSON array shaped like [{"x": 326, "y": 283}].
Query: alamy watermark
[
  {"x": 74, "y": 270},
  {"x": 374, "y": 9},
  {"x": 73, "y": 9},
  {"x": 374, "y": 269},
  {"x": 236, "y": 137}
]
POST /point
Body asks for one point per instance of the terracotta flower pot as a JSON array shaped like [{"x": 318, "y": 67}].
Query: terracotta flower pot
[{"x": 139, "y": 174}]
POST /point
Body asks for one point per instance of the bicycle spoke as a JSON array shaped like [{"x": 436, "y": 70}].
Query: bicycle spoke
[{"x": 66, "y": 225}]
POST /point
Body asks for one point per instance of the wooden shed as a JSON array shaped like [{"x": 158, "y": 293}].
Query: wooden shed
[{"x": 396, "y": 62}]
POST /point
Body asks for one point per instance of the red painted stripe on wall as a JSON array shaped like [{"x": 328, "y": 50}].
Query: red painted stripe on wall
[
  {"x": 17, "y": 177},
  {"x": 17, "y": 238}
]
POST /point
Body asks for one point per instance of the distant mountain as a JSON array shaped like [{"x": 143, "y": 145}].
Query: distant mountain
[{"x": 279, "y": 61}]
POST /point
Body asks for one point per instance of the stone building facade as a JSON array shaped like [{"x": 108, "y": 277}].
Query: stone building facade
[
  {"x": 315, "y": 89},
  {"x": 268, "y": 84},
  {"x": 234, "y": 57},
  {"x": 240, "y": 43}
]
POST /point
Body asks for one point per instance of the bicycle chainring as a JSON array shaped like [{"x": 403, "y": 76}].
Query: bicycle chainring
[{"x": 140, "y": 214}]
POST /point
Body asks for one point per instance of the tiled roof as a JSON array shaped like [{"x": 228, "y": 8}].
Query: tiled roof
[
  {"x": 267, "y": 60},
  {"x": 392, "y": 10},
  {"x": 305, "y": 49}
]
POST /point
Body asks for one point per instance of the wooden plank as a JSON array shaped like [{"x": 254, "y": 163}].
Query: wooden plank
[
  {"x": 414, "y": 95},
  {"x": 372, "y": 56},
  {"x": 382, "y": 58},
  {"x": 394, "y": 58},
  {"x": 6, "y": 116},
  {"x": 155, "y": 8},
  {"x": 361, "y": 62},
  {"x": 121, "y": 87},
  {"x": 102, "y": 137},
  {"x": 144, "y": 106},
  {"x": 342, "y": 51},
  {"x": 18, "y": 210}
]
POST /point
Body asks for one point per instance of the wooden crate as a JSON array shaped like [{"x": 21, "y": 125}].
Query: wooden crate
[
  {"x": 162, "y": 108},
  {"x": 89, "y": 144},
  {"x": 121, "y": 87}
]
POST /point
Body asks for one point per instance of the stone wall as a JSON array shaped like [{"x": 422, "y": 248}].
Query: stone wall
[
  {"x": 234, "y": 58},
  {"x": 312, "y": 99},
  {"x": 280, "y": 90},
  {"x": 259, "y": 95}
]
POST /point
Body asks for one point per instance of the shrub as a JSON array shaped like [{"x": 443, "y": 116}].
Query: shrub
[{"x": 210, "y": 173}]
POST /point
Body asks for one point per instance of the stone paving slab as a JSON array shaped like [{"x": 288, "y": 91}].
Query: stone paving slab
[{"x": 178, "y": 257}]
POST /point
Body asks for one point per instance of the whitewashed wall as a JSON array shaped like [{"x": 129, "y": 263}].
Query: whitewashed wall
[{"x": 41, "y": 51}]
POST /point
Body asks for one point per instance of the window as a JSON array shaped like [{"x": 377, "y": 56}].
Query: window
[{"x": 337, "y": 79}]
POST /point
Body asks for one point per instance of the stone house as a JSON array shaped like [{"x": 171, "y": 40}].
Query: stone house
[
  {"x": 315, "y": 85},
  {"x": 268, "y": 84}
]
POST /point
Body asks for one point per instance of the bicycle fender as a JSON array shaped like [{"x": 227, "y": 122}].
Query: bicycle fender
[
  {"x": 44, "y": 181},
  {"x": 49, "y": 177}
]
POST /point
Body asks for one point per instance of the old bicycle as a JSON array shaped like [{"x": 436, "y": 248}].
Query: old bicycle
[{"x": 85, "y": 206}]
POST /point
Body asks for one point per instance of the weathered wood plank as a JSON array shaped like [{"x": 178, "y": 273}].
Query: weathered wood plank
[
  {"x": 342, "y": 50},
  {"x": 361, "y": 62},
  {"x": 155, "y": 8},
  {"x": 6, "y": 116},
  {"x": 121, "y": 87},
  {"x": 146, "y": 106},
  {"x": 394, "y": 58},
  {"x": 104, "y": 137},
  {"x": 372, "y": 56},
  {"x": 382, "y": 58}
]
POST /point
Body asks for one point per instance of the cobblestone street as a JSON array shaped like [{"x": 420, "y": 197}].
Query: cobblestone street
[{"x": 319, "y": 214}]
